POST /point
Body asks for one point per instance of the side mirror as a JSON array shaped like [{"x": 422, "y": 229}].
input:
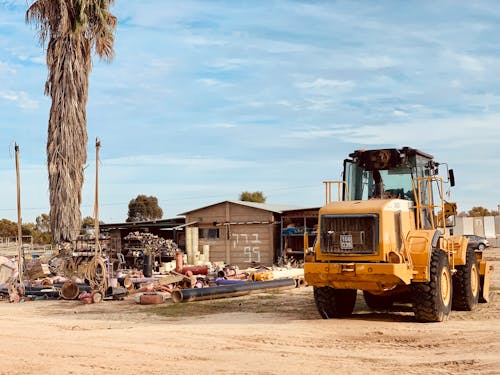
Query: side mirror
[{"x": 451, "y": 177}]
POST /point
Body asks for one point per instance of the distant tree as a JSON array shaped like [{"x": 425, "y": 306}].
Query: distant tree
[
  {"x": 42, "y": 223},
  {"x": 8, "y": 228},
  {"x": 88, "y": 223},
  {"x": 494, "y": 213},
  {"x": 478, "y": 211},
  {"x": 256, "y": 196},
  {"x": 41, "y": 231},
  {"x": 144, "y": 208}
]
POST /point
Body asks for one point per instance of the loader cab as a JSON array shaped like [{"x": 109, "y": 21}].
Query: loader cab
[{"x": 390, "y": 174}]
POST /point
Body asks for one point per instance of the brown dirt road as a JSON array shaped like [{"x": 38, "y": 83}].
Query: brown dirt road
[{"x": 272, "y": 333}]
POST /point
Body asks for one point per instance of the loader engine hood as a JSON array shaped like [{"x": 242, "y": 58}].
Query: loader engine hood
[{"x": 353, "y": 228}]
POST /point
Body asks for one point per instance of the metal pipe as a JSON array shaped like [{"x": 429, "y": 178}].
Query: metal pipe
[
  {"x": 224, "y": 291},
  {"x": 196, "y": 270},
  {"x": 223, "y": 281}
]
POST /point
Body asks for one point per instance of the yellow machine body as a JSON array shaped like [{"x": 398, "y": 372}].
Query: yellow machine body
[{"x": 384, "y": 245}]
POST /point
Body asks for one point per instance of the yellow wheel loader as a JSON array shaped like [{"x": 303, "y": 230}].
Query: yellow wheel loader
[{"x": 390, "y": 234}]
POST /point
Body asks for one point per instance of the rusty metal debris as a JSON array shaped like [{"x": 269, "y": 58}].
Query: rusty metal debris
[{"x": 79, "y": 275}]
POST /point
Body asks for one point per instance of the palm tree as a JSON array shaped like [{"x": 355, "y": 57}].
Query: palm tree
[{"x": 73, "y": 29}]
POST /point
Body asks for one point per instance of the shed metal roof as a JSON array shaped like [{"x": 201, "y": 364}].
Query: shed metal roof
[{"x": 278, "y": 208}]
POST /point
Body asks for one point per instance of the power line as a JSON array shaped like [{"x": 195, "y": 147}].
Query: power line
[{"x": 170, "y": 200}]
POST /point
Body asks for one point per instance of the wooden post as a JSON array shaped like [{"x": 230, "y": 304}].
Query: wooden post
[
  {"x": 20, "y": 252},
  {"x": 96, "y": 199}
]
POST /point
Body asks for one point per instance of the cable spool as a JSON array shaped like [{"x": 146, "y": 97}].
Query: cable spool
[
  {"x": 70, "y": 290},
  {"x": 96, "y": 274}
]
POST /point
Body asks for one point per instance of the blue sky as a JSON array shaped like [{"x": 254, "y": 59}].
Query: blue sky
[{"x": 206, "y": 99}]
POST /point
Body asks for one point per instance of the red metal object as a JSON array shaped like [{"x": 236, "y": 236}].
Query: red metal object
[
  {"x": 196, "y": 270},
  {"x": 179, "y": 262},
  {"x": 151, "y": 299}
]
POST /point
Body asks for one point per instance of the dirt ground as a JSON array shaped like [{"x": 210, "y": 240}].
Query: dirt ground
[{"x": 269, "y": 333}]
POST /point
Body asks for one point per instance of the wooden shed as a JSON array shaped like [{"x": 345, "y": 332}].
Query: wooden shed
[{"x": 237, "y": 232}]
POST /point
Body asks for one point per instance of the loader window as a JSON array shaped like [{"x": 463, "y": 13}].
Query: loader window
[
  {"x": 357, "y": 181},
  {"x": 364, "y": 184}
]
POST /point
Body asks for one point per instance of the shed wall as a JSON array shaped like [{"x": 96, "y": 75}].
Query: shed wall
[{"x": 247, "y": 235}]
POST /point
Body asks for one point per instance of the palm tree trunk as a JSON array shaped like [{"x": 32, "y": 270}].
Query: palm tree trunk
[{"x": 69, "y": 62}]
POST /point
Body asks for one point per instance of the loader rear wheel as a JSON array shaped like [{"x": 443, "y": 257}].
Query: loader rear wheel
[
  {"x": 334, "y": 303},
  {"x": 466, "y": 284},
  {"x": 432, "y": 300},
  {"x": 376, "y": 302}
]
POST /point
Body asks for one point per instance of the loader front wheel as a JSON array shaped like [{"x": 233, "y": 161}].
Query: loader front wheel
[
  {"x": 334, "y": 303},
  {"x": 432, "y": 300},
  {"x": 466, "y": 284},
  {"x": 376, "y": 302}
]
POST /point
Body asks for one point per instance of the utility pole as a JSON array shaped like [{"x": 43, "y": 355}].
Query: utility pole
[
  {"x": 20, "y": 252},
  {"x": 96, "y": 198}
]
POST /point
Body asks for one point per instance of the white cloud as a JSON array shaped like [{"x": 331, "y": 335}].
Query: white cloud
[
  {"x": 466, "y": 62},
  {"x": 284, "y": 103},
  {"x": 6, "y": 68},
  {"x": 322, "y": 83},
  {"x": 374, "y": 62},
  {"x": 40, "y": 59},
  {"x": 319, "y": 104},
  {"x": 160, "y": 64},
  {"x": 399, "y": 113},
  {"x": 21, "y": 98},
  {"x": 222, "y": 126},
  {"x": 195, "y": 162},
  {"x": 213, "y": 82},
  {"x": 201, "y": 41},
  {"x": 454, "y": 132},
  {"x": 228, "y": 64},
  {"x": 318, "y": 133}
]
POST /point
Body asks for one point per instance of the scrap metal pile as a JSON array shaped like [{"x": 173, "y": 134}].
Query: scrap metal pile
[
  {"x": 94, "y": 279},
  {"x": 153, "y": 244}
]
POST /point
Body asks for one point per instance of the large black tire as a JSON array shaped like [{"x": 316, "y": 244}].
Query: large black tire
[
  {"x": 377, "y": 302},
  {"x": 466, "y": 284},
  {"x": 432, "y": 300},
  {"x": 334, "y": 303}
]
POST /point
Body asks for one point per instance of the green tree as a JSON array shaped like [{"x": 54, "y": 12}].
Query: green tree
[
  {"x": 41, "y": 231},
  {"x": 40, "y": 236},
  {"x": 256, "y": 196},
  {"x": 42, "y": 223},
  {"x": 144, "y": 208},
  {"x": 8, "y": 228},
  {"x": 74, "y": 29},
  {"x": 478, "y": 211},
  {"x": 88, "y": 222}
]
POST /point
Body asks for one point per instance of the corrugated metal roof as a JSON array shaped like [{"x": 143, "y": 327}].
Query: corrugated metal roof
[
  {"x": 278, "y": 208},
  {"x": 172, "y": 222}
]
